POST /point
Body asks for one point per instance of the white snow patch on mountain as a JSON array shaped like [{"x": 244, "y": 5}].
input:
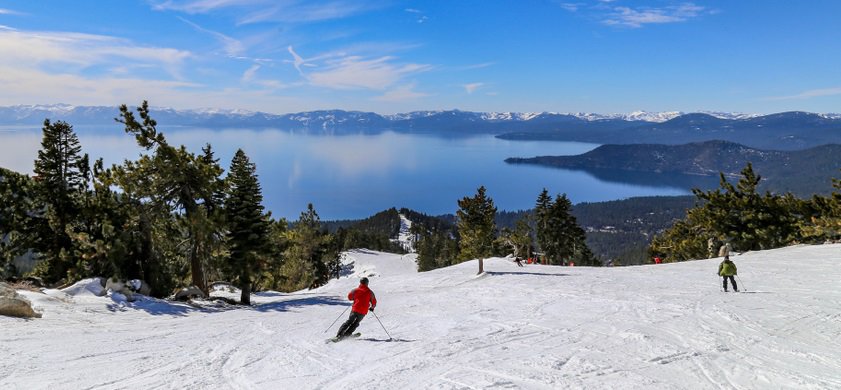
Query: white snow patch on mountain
[
  {"x": 509, "y": 116},
  {"x": 536, "y": 327},
  {"x": 405, "y": 237},
  {"x": 730, "y": 115},
  {"x": 659, "y": 117},
  {"x": 221, "y": 111},
  {"x": 411, "y": 115}
]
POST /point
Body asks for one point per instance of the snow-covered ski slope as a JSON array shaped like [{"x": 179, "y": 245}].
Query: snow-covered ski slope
[{"x": 662, "y": 326}]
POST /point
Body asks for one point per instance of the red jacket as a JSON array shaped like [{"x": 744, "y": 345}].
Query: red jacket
[{"x": 362, "y": 298}]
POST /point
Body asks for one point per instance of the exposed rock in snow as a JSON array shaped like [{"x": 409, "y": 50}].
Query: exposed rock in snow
[
  {"x": 188, "y": 293},
  {"x": 14, "y": 305}
]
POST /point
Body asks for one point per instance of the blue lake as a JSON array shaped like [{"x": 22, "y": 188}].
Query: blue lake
[{"x": 355, "y": 176}]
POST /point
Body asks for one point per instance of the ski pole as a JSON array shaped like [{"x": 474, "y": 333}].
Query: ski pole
[
  {"x": 381, "y": 324},
  {"x": 742, "y": 283},
  {"x": 337, "y": 318}
]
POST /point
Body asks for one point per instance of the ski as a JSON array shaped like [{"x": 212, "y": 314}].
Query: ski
[{"x": 337, "y": 339}]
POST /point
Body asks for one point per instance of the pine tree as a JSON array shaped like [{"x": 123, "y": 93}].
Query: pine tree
[
  {"x": 61, "y": 180},
  {"x": 747, "y": 219},
  {"x": 306, "y": 258},
  {"x": 150, "y": 231},
  {"x": 247, "y": 226},
  {"x": 736, "y": 214},
  {"x": 434, "y": 243},
  {"x": 542, "y": 221},
  {"x": 560, "y": 238},
  {"x": 103, "y": 242},
  {"x": 425, "y": 248},
  {"x": 476, "y": 227},
  {"x": 571, "y": 238},
  {"x": 187, "y": 183},
  {"x": 822, "y": 221},
  {"x": 270, "y": 266},
  {"x": 17, "y": 200},
  {"x": 519, "y": 239}
]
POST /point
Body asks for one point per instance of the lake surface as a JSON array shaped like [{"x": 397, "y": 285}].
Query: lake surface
[{"x": 355, "y": 176}]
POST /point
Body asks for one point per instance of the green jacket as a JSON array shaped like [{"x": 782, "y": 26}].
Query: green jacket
[{"x": 727, "y": 268}]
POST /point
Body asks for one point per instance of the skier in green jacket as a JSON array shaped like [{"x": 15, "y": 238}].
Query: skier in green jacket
[{"x": 726, "y": 270}]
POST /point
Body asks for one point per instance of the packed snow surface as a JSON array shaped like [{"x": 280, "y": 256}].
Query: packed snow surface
[{"x": 535, "y": 327}]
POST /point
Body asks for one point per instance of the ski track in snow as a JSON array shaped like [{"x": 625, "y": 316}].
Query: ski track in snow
[{"x": 538, "y": 327}]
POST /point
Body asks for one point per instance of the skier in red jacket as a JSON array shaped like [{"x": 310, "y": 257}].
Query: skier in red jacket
[{"x": 362, "y": 298}]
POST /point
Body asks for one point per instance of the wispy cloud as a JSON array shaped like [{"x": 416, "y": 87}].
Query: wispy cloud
[
  {"x": 304, "y": 12},
  {"x": 636, "y": 18},
  {"x": 812, "y": 93},
  {"x": 231, "y": 46},
  {"x": 402, "y": 93},
  {"x": 260, "y": 11},
  {"x": 572, "y": 7},
  {"x": 476, "y": 66},
  {"x": 82, "y": 51},
  {"x": 250, "y": 77},
  {"x": 472, "y": 87},
  {"x": 342, "y": 71},
  {"x": 249, "y": 73},
  {"x": 201, "y": 6},
  {"x": 88, "y": 69},
  {"x": 421, "y": 17},
  {"x": 27, "y": 86},
  {"x": 610, "y": 13},
  {"x": 298, "y": 61},
  {"x": 4, "y": 11},
  {"x": 355, "y": 72}
]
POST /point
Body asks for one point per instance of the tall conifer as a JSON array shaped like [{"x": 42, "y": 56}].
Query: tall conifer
[
  {"x": 476, "y": 227},
  {"x": 61, "y": 176},
  {"x": 247, "y": 226},
  {"x": 560, "y": 238}
]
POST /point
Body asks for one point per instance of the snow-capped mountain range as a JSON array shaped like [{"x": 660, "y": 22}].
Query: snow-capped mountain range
[
  {"x": 781, "y": 131},
  {"x": 22, "y": 114}
]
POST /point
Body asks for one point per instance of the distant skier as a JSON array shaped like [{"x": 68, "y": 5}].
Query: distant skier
[
  {"x": 362, "y": 298},
  {"x": 726, "y": 270},
  {"x": 657, "y": 260},
  {"x": 519, "y": 261}
]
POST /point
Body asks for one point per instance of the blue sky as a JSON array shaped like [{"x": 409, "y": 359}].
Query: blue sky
[{"x": 284, "y": 56}]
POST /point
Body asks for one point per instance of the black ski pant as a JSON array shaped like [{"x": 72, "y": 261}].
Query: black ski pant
[
  {"x": 350, "y": 325},
  {"x": 732, "y": 281}
]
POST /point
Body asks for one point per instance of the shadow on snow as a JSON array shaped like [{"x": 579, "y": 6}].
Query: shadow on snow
[
  {"x": 494, "y": 273},
  {"x": 159, "y": 307},
  {"x": 301, "y": 302},
  {"x": 393, "y": 340}
]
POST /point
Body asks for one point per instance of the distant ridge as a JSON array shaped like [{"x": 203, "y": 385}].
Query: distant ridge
[
  {"x": 803, "y": 172},
  {"x": 784, "y": 131},
  {"x": 34, "y": 114}
]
